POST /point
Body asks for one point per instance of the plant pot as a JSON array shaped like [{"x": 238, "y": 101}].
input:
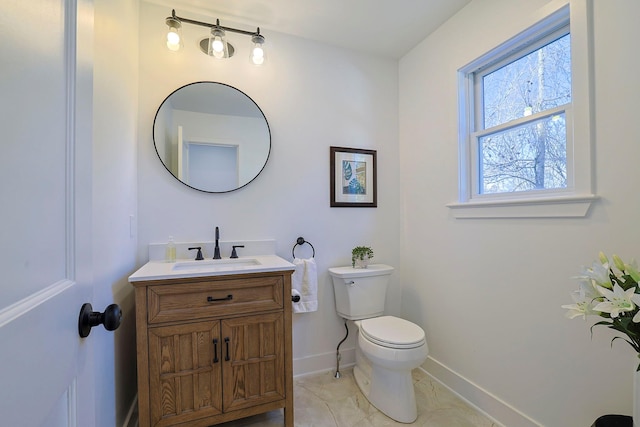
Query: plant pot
[
  {"x": 362, "y": 263},
  {"x": 636, "y": 397},
  {"x": 613, "y": 421}
]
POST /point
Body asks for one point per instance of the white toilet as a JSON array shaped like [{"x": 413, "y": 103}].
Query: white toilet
[{"x": 388, "y": 347}]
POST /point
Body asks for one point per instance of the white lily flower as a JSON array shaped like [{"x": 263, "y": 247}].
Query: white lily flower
[
  {"x": 599, "y": 273},
  {"x": 602, "y": 290},
  {"x": 584, "y": 300},
  {"x": 618, "y": 301},
  {"x": 636, "y": 299}
]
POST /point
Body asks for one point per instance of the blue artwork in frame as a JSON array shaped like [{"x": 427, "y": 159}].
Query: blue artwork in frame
[{"x": 353, "y": 177}]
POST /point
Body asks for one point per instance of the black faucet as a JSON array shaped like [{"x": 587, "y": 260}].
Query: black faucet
[
  {"x": 234, "y": 254},
  {"x": 199, "y": 256},
  {"x": 216, "y": 250}
]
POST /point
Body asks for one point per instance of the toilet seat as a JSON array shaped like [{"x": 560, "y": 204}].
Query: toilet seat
[{"x": 392, "y": 332}]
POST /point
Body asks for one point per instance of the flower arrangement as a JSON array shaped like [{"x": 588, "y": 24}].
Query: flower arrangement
[
  {"x": 613, "y": 295},
  {"x": 361, "y": 253}
]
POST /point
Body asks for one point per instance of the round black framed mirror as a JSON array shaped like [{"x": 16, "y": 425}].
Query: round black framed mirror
[{"x": 211, "y": 137}]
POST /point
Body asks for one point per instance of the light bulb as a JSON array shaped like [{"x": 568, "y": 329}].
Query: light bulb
[
  {"x": 218, "y": 44},
  {"x": 173, "y": 40},
  {"x": 257, "y": 56},
  {"x": 257, "y": 52},
  {"x": 174, "y": 35}
]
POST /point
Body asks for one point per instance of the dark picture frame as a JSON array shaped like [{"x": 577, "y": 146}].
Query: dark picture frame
[{"x": 353, "y": 178}]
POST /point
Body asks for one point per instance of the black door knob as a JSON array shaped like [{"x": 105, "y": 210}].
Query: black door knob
[{"x": 88, "y": 318}]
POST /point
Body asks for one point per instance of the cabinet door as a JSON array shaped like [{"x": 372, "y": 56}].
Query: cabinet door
[
  {"x": 254, "y": 369},
  {"x": 184, "y": 372}
]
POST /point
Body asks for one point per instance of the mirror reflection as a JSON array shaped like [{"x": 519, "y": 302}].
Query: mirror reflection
[{"x": 211, "y": 137}]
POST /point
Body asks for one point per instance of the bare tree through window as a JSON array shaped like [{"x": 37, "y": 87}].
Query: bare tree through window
[{"x": 522, "y": 100}]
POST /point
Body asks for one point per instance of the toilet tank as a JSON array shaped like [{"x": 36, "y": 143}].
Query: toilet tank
[{"x": 360, "y": 292}]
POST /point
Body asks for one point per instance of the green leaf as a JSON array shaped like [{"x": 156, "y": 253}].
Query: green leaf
[{"x": 623, "y": 339}]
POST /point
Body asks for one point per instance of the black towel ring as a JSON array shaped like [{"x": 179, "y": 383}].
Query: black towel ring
[{"x": 300, "y": 241}]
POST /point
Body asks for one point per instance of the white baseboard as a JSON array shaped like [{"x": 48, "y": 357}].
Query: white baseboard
[
  {"x": 132, "y": 415},
  {"x": 482, "y": 400},
  {"x": 323, "y": 362}
]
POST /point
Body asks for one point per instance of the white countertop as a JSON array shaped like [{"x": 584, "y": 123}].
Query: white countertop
[{"x": 182, "y": 268}]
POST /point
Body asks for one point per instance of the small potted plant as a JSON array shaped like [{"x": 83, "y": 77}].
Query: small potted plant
[{"x": 360, "y": 256}]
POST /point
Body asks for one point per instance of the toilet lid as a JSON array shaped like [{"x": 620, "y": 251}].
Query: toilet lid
[{"x": 390, "y": 331}]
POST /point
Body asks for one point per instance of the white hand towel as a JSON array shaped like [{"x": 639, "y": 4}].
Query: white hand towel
[{"x": 305, "y": 281}]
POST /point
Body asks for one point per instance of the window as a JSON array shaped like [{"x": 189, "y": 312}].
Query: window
[
  {"x": 521, "y": 106},
  {"x": 518, "y": 139}
]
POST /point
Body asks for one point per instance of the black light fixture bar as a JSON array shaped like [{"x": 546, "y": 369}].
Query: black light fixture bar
[{"x": 216, "y": 25}]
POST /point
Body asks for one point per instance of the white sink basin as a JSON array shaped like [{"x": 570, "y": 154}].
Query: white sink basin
[{"x": 215, "y": 265}]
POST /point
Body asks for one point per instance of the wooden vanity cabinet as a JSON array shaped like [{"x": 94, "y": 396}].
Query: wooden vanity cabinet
[{"x": 213, "y": 349}]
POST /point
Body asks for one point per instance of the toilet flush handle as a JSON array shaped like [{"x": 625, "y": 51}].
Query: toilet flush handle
[{"x": 350, "y": 283}]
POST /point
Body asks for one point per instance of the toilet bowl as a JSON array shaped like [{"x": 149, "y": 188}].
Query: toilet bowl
[{"x": 388, "y": 347}]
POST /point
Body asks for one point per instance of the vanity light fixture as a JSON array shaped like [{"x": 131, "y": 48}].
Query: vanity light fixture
[
  {"x": 257, "y": 51},
  {"x": 174, "y": 35},
  {"x": 216, "y": 45}
]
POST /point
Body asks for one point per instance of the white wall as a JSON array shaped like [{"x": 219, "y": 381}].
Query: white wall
[
  {"x": 313, "y": 96},
  {"x": 488, "y": 292},
  {"x": 114, "y": 200}
]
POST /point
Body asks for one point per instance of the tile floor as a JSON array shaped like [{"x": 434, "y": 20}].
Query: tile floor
[{"x": 322, "y": 401}]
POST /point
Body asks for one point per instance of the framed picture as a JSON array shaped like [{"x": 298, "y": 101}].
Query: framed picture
[{"x": 353, "y": 178}]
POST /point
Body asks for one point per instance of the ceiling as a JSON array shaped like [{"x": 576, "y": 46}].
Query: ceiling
[{"x": 384, "y": 27}]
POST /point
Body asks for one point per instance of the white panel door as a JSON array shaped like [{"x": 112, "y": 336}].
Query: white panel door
[
  {"x": 46, "y": 371},
  {"x": 213, "y": 167}
]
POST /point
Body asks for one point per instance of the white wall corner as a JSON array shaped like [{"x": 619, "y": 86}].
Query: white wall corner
[
  {"x": 482, "y": 400},
  {"x": 323, "y": 362}
]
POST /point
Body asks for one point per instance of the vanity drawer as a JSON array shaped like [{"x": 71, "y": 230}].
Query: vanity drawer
[{"x": 213, "y": 298}]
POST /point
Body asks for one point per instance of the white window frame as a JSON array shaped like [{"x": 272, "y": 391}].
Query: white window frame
[{"x": 572, "y": 201}]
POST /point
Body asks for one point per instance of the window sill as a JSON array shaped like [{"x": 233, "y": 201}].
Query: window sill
[{"x": 556, "y": 207}]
